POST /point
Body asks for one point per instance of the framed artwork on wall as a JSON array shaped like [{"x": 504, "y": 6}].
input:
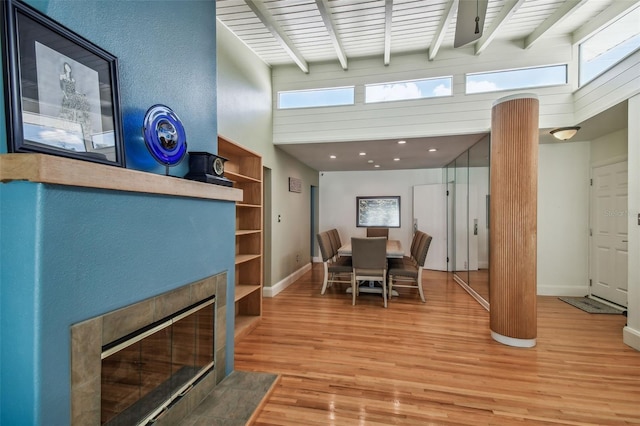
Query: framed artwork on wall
[
  {"x": 295, "y": 185},
  {"x": 61, "y": 90},
  {"x": 378, "y": 212}
]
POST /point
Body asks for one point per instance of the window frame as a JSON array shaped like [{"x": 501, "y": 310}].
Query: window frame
[
  {"x": 597, "y": 74},
  {"x": 448, "y": 77},
  {"x": 321, "y": 89},
  {"x": 566, "y": 78}
]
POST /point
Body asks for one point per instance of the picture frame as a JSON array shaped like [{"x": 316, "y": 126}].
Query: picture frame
[
  {"x": 295, "y": 185},
  {"x": 377, "y": 211},
  {"x": 61, "y": 90}
]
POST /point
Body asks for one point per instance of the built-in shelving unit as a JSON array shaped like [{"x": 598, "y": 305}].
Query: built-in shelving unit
[{"x": 244, "y": 168}]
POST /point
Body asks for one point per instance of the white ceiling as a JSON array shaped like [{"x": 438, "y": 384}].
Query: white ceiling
[{"x": 285, "y": 32}]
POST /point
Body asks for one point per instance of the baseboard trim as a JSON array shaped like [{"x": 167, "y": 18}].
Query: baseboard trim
[
  {"x": 571, "y": 291},
  {"x": 286, "y": 282},
  {"x": 512, "y": 341},
  {"x": 631, "y": 337}
]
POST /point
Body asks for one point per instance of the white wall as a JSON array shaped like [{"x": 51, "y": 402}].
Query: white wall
[
  {"x": 457, "y": 114},
  {"x": 338, "y": 192},
  {"x": 609, "y": 148},
  {"x": 563, "y": 219},
  {"x": 632, "y": 330},
  {"x": 245, "y": 116}
]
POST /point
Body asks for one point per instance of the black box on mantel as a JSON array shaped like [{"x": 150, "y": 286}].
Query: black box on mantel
[{"x": 207, "y": 167}]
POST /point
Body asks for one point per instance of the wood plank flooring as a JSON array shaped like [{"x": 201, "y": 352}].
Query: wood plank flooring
[{"x": 435, "y": 363}]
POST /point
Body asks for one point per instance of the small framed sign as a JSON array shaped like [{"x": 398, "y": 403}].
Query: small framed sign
[{"x": 295, "y": 185}]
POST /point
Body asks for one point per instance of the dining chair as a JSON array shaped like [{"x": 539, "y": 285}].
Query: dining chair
[
  {"x": 334, "y": 238},
  {"x": 378, "y": 232},
  {"x": 336, "y": 269},
  {"x": 369, "y": 261},
  {"x": 407, "y": 272}
]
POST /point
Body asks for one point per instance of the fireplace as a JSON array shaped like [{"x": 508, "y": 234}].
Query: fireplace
[
  {"x": 145, "y": 371},
  {"x": 152, "y": 361}
]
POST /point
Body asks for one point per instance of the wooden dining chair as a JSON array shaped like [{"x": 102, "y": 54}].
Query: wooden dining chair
[
  {"x": 407, "y": 272},
  {"x": 369, "y": 261},
  {"x": 336, "y": 269},
  {"x": 378, "y": 232}
]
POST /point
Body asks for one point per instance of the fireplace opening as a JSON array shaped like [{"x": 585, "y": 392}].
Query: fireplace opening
[{"x": 146, "y": 371}]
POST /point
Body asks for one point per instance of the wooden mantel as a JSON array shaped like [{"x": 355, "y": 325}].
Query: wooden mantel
[{"x": 49, "y": 169}]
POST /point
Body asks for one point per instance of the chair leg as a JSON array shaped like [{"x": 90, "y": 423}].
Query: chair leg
[
  {"x": 326, "y": 278},
  {"x": 384, "y": 290},
  {"x": 390, "y": 280},
  {"x": 421, "y": 293},
  {"x": 419, "y": 282},
  {"x": 354, "y": 289}
]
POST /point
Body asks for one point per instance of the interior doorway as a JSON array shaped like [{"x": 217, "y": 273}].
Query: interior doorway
[{"x": 609, "y": 233}]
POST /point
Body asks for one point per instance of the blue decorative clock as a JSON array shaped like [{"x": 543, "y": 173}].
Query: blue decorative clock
[{"x": 164, "y": 135}]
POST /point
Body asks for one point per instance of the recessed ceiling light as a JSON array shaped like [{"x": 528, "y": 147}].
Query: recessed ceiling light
[
  {"x": 432, "y": 149},
  {"x": 332, "y": 156},
  {"x": 402, "y": 142},
  {"x": 363, "y": 153},
  {"x": 377, "y": 165},
  {"x": 370, "y": 161},
  {"x": 396, "y": 159}
]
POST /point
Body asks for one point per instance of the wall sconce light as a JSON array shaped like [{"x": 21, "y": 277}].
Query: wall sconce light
[{"x": 564, "y": 133}]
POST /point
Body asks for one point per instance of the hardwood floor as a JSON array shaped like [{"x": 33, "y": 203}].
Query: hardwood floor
[{"x": 435, "y": 363}]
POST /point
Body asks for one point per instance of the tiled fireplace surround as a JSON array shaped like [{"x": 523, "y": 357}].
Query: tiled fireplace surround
[{"x": 88, "y": 337}]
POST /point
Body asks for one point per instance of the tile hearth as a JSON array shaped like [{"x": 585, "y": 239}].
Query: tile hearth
[{"x": 235, "y": 401}]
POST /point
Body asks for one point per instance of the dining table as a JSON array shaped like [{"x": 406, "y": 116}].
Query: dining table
[{"x": 394, "y": 250}]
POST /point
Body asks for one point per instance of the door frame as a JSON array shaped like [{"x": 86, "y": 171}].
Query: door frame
[{"x": 596, "y": 165}]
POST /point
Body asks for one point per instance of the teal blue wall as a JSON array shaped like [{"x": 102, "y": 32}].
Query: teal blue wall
[{"x": 68, "y": 254}]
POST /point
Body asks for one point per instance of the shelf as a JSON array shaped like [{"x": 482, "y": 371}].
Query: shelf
[
  {"x": 242, "y": 258},
  {"x": 244, "y": 168},
  {"x": 247, "y": 231},
  {"x": 237, "y": 177},
  {"x": 244, "y": 325},
  {"x": 243, "y": 290},
  {"x": 43, "y": 168}
]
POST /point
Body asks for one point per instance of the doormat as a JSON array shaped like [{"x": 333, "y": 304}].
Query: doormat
[{"x": 589, "y": 305}]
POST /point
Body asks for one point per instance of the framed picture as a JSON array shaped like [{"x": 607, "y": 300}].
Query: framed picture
[
  {"x": 61, "y": 90},
  {"x": 378, "y": 212},
  {"x": 295, "y": 185}
]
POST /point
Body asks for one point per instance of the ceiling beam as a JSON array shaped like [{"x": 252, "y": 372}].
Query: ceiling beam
[
  {"x": 510, "y": 7},
  {"x": 258, "y": 7},
  {"x": 388, "y": 14},
  {"x": 555, "y": 19},
  {"x": 447, "y": 17},
  {"x": 325, "y": 13}
]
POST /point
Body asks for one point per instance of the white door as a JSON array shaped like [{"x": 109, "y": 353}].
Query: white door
[
  {"x": 430, "y": 216},
  {"x": 608, "y": 251}
]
